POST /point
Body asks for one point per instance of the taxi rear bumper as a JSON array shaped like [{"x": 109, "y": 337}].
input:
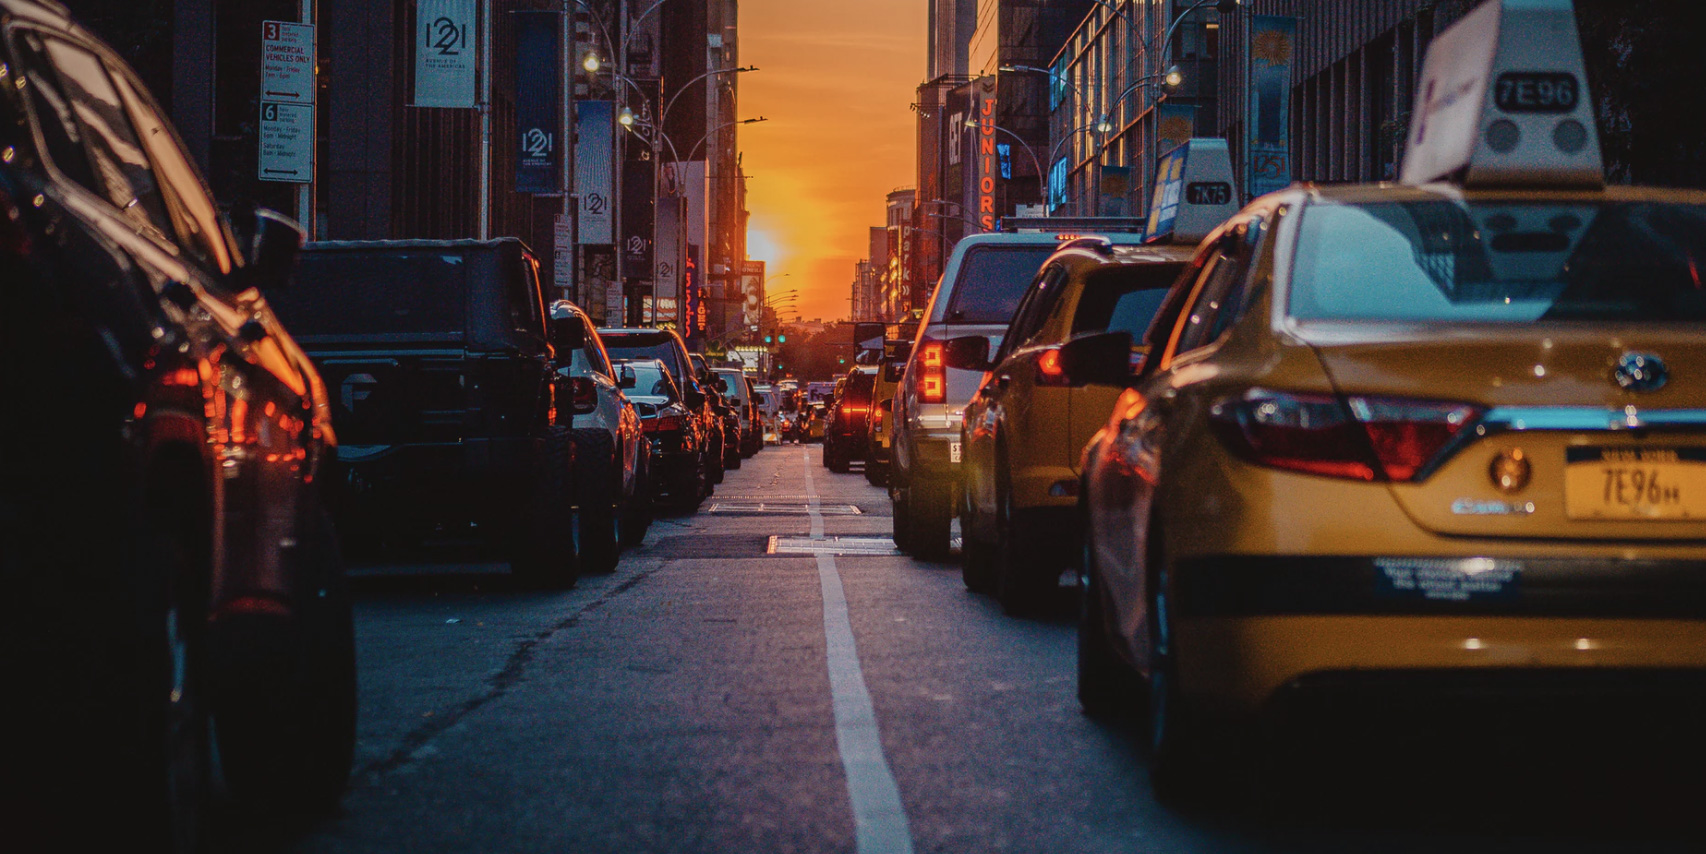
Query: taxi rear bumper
[{"x": 1235, "y": 666}]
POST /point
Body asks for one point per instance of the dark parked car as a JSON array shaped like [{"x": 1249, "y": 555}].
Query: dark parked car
[
  {"x": 667, "y": 347},
  {"x": 845, "y": 439},
  {"x": 441, "y": 378},
  {"x": 678, "y": 459},
  {"x": 164, "y": 543}
]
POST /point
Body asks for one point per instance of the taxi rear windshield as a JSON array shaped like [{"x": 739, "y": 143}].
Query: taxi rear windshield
[
  {"x": 1487, "y": 262},
  {"x": 991, "y": 281}
]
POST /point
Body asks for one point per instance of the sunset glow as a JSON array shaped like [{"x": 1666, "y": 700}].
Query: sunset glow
[{"x": 837, "y": 78}]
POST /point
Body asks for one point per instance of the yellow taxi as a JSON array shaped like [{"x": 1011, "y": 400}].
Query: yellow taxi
[
  {"x": 879, "y": 430},
  {"x": 1026, "y": 427},
  {"x": 1448, "y": 433}
]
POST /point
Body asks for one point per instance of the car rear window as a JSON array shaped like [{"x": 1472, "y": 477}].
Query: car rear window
[
  {"x": 645, "y": 345},
  {"x": 1504, "y": 262},
  {"x": 375, "y": 293},
  {"x": 859, "y": 388},
  {"x": 1123, "y": 299},
  {"x": 991, "y": 280}
]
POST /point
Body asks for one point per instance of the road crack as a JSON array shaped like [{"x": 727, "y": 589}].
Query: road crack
[{"x": 497, "y": 686}]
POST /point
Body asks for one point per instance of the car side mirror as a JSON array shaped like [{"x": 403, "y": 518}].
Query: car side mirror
[
  {"x": 693, "y": 398},
  {"x": 1104, "y": 358},
  {"x": 567, "y": 333},
  {"x": 625, "y": 377},
  {"x": 269, "y": 243},
  {"x": 967, "y": 353}
]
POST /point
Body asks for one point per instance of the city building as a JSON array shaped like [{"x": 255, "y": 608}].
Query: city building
[{"x": 898, "y": 296}]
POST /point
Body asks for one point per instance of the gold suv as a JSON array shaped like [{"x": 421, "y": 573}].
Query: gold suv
[{"x": 1025, "y": 428}]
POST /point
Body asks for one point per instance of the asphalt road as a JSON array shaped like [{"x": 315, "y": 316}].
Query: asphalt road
[{"x": 711, "y": 697}]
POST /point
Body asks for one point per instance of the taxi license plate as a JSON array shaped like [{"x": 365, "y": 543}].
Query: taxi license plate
[
  {"x": 1655, "y": 483},
  {"x": 953, "y": 452}
]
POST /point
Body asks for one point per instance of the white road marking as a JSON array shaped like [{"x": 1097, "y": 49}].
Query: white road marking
[{"x": 879, "y": 820}]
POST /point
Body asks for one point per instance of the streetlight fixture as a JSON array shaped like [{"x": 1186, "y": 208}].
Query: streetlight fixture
[
  {"x": 625, "y": 118},
  {"x": 592, "y": 63}
]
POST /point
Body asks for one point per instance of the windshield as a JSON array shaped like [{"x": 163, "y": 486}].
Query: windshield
[
  {"x": 1450, "y": 261},
  {"x": 646, "y": 346},
  {"x": 991, "y": 281},
  {"x": 650, "y": 380},
  {"x": 374, "y": 293}
]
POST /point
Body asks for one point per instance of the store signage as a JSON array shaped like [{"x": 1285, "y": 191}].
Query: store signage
[
  {"x": 986, "y": 158},
  {"x": 445, "y": 54}
]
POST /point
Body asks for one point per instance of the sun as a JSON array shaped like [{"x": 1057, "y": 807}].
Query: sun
[{"x": 760, "y": 246}]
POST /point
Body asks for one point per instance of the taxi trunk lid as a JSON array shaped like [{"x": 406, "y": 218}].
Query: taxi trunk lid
[{"x": 1556, "y": 448}]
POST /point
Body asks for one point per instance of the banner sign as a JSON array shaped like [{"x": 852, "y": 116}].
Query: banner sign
[
  {"x": 1177, "y": 124},
  {"x": 671, "y": 229},
  {"x": 635, "y": 254},
  {"x": 538, "y": 100},
  {"x": 693, "y": 291},
  {"x": 595, "y": 143},
  {"x": 445, "y": 54},
  {"x": 1268, "y": 119}
]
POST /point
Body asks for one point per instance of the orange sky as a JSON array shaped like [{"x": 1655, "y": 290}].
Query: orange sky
[{"x": 835, "y": 81}]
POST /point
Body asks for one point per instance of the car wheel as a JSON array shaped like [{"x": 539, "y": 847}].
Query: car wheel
[
  {"x": 837, "y": 461},
  {"x": 636, "y": 517},
  {"x": 544, "y": 549},
  {"x": 287, "y": 737},
  {"x": 175, "y": 756},
  {"x": 931, "y": 531},
  {"x": 875, "y": 474},
  {"x": 977, "y": 555},
  {"x": 595, "y": 518},
  {"x": 902, "y": 522},
  {"x": 1181, "y": 769},
  {"x": 1107, "y": 687},
  {"x": 1024, "y": 575}
]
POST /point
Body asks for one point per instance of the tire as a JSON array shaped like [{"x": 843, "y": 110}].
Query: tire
[
  {"x": 715, "y": 472},
  {"x": 172, "y": 690},
  {"x": 595, "y": 497},
  {"x": 977, "y": 556},
  {"x": 544, "y": 547},
  {"x": 836, "y": 458},
  {"x": 931, "y": 531},
  {"x": 687, "y": 487},
  {"x": 636, "y": 516},
  {"x": 287, "y": 739},
  {"x": 1182, "y": 770},
  {"x": 1025, "y": 577},
  {"x": 902, "y": 519},
  {"x": 1108, "y": 688},
  {"x": 876, "y": 474}
]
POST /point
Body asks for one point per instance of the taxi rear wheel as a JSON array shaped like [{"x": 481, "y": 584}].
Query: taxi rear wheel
[
  {"x": 932, "y": 520},
  {"x": 902, "y": 519},
  {"x": 1107, "y": 687},
  {"x": 977, "y": 555},
  {"x": 1182, "y": 768},
  {"x": 1022, "y": 577}
]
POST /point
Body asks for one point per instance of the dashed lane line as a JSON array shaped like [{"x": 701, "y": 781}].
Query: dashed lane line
[{"x": 879, "y": 819}]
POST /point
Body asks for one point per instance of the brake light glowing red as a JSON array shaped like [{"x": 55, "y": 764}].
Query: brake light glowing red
[
  {"x": 932, "y": 378},
  {"x": 1360, "y": 438}
]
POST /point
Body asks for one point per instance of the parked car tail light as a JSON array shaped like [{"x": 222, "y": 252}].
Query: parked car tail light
[
  {"x": 1049, "y": 370},
  {"x": 1362, "y": 438},
  {"x": 583, "y": 395},
  {"x": 932, "y": 376},
  {"x": 663, "y": 424}
]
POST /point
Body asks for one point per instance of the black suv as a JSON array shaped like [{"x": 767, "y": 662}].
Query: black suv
[
  {"x": 436, "y": 359},
  {"x": 667, "y": 347},
  {"x": 164, "y": 546}
]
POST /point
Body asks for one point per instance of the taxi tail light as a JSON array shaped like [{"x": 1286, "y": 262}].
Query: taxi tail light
[
  {"x": 1049, "y": 370},
  {"x": 1408, "y": 435},
  {"x": 1359, "y": 438},
  {"x": 932, "y": 373}
]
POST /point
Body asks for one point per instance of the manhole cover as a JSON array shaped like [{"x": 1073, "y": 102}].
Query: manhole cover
[
  {"x": 771, "y": 508},
  {"x": 870, "y": 546}
]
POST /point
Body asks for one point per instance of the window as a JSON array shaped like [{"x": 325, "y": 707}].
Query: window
[
  {"x": 1033, "y": 309},
  {"x": 375, "y": 293},
  {"x": 125, "y": 175},
  {"x": 1123, "y": 298},
  {"x": 991, "y": 281},
  {"x": 62, "y": 137},
  {"x": 199, "y": 228},
  {"x": 1221, "y": 292}
]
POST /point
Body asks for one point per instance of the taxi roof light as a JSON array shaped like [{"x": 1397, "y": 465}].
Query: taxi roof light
[{"x": 1503, "y": 101}]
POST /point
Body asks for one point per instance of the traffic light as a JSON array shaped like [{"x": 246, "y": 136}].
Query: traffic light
[
  {"x": 840, "y": 360},
  {"x": 782, "y": 339},
  {"x": 767, "y": 339}
]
